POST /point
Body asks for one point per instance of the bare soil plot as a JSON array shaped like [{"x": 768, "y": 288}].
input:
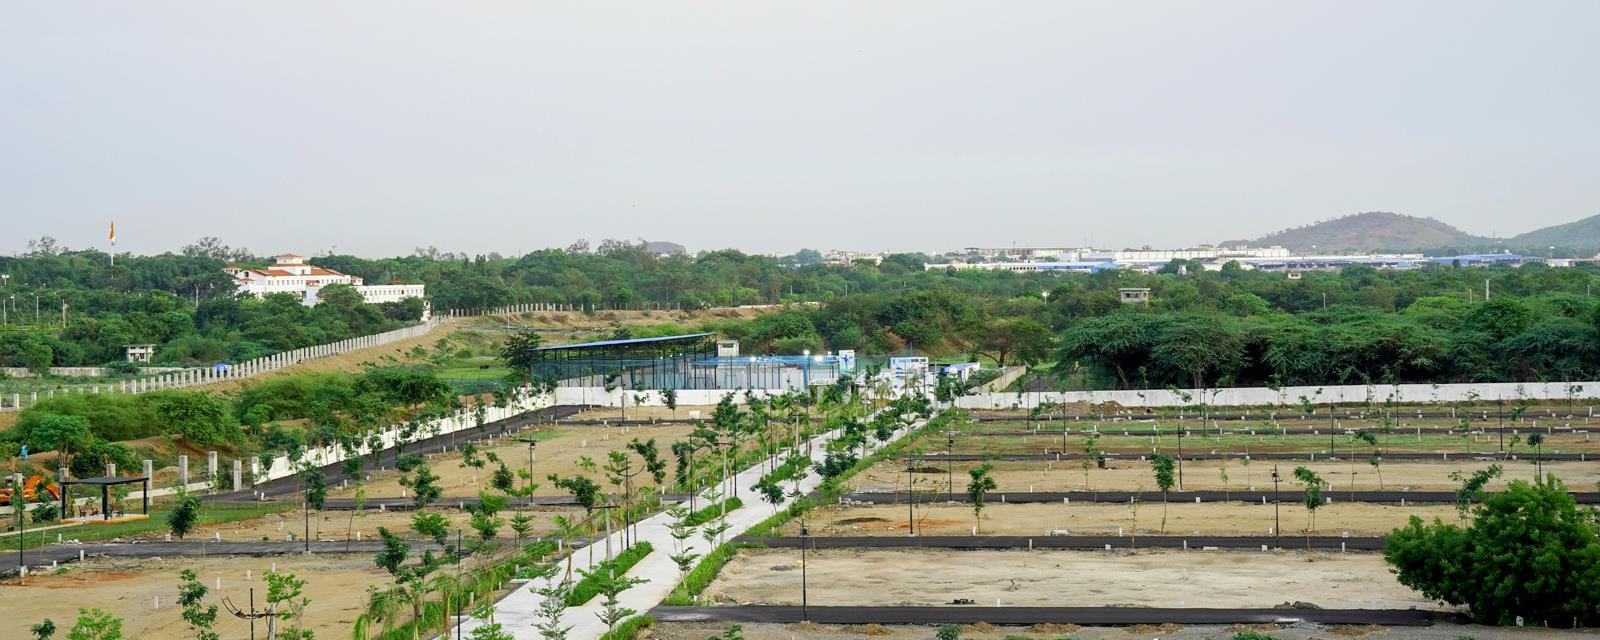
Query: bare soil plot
[
  {"x": 129, "y": 589},
  {"x": 683, "y": 413},
  {"x": 559, "y": 451},
  {"x": 335, "y": 525},
  {"x": 1194, "y": 442},
  {"x": 1220, "y": 519},
  {"x": 1066, "y": 578},
  {"x": 1127, "y": 475}
]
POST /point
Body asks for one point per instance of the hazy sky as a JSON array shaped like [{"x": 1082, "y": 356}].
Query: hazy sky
[{"x": 377, "y": 127}]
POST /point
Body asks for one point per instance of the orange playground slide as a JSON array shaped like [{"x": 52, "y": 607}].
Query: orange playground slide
[{"x": 30, "y": 490}]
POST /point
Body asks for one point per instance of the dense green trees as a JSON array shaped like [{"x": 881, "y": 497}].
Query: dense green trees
[
  {"x": 1226, "y": 327},
  {"x": 87, "y": 310},
  {"x": 1529, "y": 553}
]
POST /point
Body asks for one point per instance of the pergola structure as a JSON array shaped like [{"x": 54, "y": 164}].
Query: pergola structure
[
  {"x": 680, "y": 362},
  {"x": 653, "y": 363},
  {"x": 105, "y": 484}
]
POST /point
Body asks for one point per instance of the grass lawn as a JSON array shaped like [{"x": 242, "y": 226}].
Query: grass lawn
[{"x": 211, "y": 513}]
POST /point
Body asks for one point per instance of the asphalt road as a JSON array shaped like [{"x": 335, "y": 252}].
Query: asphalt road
[
  {"x": 64, "y": 553},
  {"x": 1390, "y": 456},
  {"x": 1087, "y": 616},
  {"x": 1289, "y": 495},
  {"x": 1086, "y": 543},
  {"x": 1049, "y": 429}
]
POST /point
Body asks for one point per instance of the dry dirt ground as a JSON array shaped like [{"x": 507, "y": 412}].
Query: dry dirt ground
[
  {"x": 335, "y": 525},
  {"x": 1067, "y": 475},
  {"x": 559, "y": 451},
  {"x": 683, "y": 413},
  {"x": 336, "y": 585},
  {"x": 1107, "y": 519},
  {"x": 701, "y": 630},
  {"x": 1224, "y": 579},
  {"x": 343, "y": 362}
]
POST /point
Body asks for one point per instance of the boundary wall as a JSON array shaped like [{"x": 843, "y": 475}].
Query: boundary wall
[
  {"x": 182, "y": 378},
  {"x": 1292, "y": 396},
  {"x": 249, "y": 472}
]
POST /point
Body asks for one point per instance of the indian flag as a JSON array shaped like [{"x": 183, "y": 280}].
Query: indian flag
[{"x": 113, "y": 233}]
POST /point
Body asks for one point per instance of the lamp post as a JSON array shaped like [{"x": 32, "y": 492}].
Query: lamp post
[
  {"x": 19, "y": 505},
  {"x": 911, "y": 498},
  {"x": 1277, "y": 527},
  {"x": 1331, "y": 429},
  {"x": 805, "y": 541},
  {"x": 949, "y": 464},
  {"x": 1501, "y": 416},
  {"x": 1180, "y": 456},
  {"x": 531, "y": 444}
]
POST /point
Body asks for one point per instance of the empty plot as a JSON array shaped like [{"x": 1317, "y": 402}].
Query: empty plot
[
  {"x": 1066, "y": 578},
  {"x": 1127, "y": 475},
  {"x": 558, "y": 451},
  {"x": 1107, "y": 519}
]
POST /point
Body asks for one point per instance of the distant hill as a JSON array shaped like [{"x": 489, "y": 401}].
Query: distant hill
[
  {"x": 1378, "y": 231},
  {"x": 1583, "y": 235},
  {"x": 664, "y": 248}
]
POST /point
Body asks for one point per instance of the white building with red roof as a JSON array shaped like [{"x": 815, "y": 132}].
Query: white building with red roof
[{"x": 290, "y": 274}]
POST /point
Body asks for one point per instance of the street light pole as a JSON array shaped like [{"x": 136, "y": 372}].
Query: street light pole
[
  {"x": 1180, "y": 456},
  {"x": 1277, "y": 526},
  {"x": 529, "y": 482},
  {"x": 1330, "y": 429},
  {"x": 911, "y": 501},
  {"x": 949, "y": 464},
  {"x": 805, "y": 541},
  {"x": 20, "y": 506}
]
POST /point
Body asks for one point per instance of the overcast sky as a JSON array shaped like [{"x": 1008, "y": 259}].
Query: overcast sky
[{"x": 377, "y": 127}]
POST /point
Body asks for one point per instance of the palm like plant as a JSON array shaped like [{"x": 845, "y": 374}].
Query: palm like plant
[
  {"x": 452, "y": 592},
  {"x": 383, "y": 606}
]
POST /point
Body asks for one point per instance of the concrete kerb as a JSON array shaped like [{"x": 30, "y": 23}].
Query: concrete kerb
[{"x": 517, "y": 611}]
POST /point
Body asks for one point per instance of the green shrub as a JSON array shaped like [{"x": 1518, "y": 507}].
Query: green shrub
[
  {"x": 1252, "y": 635},
  {"x": 712, "y": 512},
  {"x": 590, "y": 587},
  {"x": 627, "y": 629},
  {"x": 701, "y": 575},
  {"x": 1529, "y": 553},
  {"x": 407, "y": 462},
  {"x": 948, "y": 632}
]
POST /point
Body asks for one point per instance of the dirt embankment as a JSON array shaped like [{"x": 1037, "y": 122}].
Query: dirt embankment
[{"x": 350, "y": 361}]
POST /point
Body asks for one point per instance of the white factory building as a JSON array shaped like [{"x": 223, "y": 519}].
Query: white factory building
[
  {"x": 1249, "y": 258},
  {"x": 290, "y": 274}
]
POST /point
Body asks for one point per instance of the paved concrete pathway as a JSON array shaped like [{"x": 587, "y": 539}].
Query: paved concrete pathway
[{"x": 517, "y": 612}]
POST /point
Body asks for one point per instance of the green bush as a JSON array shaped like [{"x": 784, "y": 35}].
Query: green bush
[
  {"x": 627, "y": 629},
  {"x": 710, "y": 513},
  {"x": 947, "y": 632},
  {"x": 701, "y": 575},
  {"x": 1528, "y": 553},
  {"x": 293, "y": 397},
  {"x": 1252, "y": 635},
  {"x": 111, "y": 416},
  {"x": 590, "y": 587},
  {"x": 46, "y": 511}
]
